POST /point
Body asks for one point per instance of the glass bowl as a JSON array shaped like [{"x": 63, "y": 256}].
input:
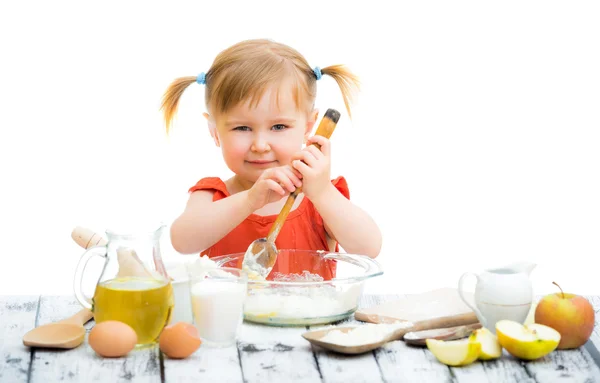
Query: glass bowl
[{"x": 306, "y": 287}]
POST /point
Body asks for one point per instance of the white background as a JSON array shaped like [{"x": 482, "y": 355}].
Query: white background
[{"x": 475, "y": 140}]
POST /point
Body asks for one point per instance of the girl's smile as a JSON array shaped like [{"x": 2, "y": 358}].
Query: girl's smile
[{"x": 263, "y": 164}]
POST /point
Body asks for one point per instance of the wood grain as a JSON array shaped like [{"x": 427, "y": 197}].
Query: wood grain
[
  {"x": 82, "y": 363},
  {"x": 336, "y": 368},
  {"x": 266, "y": 354},
  {"x": 18, "y": 315},
  {"x": 276, "y": 354}
]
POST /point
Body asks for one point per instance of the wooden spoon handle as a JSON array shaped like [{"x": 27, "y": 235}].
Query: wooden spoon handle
[
  {"x": 81, "y": 318},
  {"x": 325, "y": 129}
]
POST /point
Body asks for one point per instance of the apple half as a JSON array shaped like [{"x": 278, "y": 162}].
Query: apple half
[
  {"x": 490, "y": 347},
  {"x": 454, "y": 352},
  {"x": 528, "y": 342}
]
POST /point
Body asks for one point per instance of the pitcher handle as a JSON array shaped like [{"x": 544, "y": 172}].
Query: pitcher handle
[
  {"x": 77, "y": 280},
  {"x": 462, "y": 296}
]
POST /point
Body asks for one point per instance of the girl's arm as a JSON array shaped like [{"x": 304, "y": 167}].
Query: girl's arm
[
  {"x": 204, "y": 222},
  {"x": 345, "y": 222},
  {"x": 348, "y": 224}
]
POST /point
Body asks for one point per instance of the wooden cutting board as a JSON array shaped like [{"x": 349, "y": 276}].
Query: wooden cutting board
[{"x": 440, "y": 308}]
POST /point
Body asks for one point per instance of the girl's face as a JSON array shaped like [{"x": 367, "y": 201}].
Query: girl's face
[{"x": 253, "y": 139}]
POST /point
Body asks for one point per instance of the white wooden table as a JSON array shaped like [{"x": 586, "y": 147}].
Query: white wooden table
[{"x": 263, "y": 354}]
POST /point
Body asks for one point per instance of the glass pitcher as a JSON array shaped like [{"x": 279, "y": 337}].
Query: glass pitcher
[{"x": 133, "y": 288}]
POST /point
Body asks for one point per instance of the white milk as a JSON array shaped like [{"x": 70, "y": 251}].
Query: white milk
[{"x": 217, "y": 306}]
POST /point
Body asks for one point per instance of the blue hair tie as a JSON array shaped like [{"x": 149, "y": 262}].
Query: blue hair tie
[
  {"x": 201, "y": 79},
  {"x": 318, "y": 73}
]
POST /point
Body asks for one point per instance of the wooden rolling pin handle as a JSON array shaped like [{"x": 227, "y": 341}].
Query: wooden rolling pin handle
[
  {"x": 129, "y": 263},
  {"x": 86, "y": 238},
  {"x": 443, "y": 322}
]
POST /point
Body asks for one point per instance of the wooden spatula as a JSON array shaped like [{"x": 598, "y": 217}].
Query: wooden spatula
[
  {"x": 414, "y": 331},
  {"x": 67, "y": 333},
  {"x": 316, "y": 336},
  {"x": 262, "y": 253}
]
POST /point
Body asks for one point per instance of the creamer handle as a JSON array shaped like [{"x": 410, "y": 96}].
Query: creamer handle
[{"x": 462, "y": 296}]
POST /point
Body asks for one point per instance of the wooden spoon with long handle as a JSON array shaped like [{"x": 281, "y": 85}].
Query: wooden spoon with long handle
[
  {"x": 421, "y": 330},
  {"x": 262, "y": 253},
  {"x": 69, "y": 332}
]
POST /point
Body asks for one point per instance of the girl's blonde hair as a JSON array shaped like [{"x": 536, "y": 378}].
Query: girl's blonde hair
[{"x": 245, "y": 70}]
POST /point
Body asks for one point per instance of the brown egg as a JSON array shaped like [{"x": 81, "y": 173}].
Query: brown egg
[
  {"x": 179, "y": 340},
  {"x": 112, "y": 339}
]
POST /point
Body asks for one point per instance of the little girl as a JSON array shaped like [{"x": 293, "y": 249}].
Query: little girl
[{"x": 260, "y": 97}]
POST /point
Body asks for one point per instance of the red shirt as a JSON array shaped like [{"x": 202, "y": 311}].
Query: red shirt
[{"x": 303, "y": 229}]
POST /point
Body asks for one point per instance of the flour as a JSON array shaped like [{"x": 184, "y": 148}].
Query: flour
[
  {"x": 364, "y": 334},
  {"x": 300, "y": 305}
]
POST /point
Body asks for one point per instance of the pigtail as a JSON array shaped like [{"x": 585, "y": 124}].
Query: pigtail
[
  {"x": 346, "y": 80},
  {"x": 172, "y": 96}
]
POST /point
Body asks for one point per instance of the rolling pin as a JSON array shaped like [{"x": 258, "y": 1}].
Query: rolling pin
[
  {"x": 418, "y": 338},
  {"x": 129, "y": 263}
]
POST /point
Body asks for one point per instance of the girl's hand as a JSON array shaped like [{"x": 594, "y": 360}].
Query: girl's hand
[
  {"x": 272, "y": 185},
  {"x": 316, "y": 167}
]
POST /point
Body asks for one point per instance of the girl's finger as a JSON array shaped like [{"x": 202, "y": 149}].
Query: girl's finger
[
  {"x": 283, "y": 177},
  {"x": 292, "y": 174},
  {"x": 273, "y": 185},
  {"x": 323, "y": 142},
  {"x": 307, "y": 157},
  {"x": 315, "y": 151},
  {"x": 300, "y": 166}
]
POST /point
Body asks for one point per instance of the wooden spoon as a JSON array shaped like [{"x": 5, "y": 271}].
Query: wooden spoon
[
  {"x": 262, "y": 253},
  {"x": 412, "y": 333},
  {"x": 315, "y": 337},
  {"x": 67, "y": 333}
]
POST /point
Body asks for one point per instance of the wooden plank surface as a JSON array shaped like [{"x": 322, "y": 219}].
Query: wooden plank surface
[
  {"x": 205, "y": 365},
  {"x": 595, "y": 300},
  {"x": 82, "y": 363},
  {"x": 266, "y": 354},
  {"x": 17, "y": 316},
  {"x": 336, "y": 367},
  {"x": 399, "y": 362},
  {"x": 276, "y": 354}
]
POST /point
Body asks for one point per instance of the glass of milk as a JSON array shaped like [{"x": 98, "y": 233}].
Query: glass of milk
[{"x": 217, "y": 296}]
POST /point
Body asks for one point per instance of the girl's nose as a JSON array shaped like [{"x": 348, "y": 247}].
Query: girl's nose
[{"x": 260, "y": 144}]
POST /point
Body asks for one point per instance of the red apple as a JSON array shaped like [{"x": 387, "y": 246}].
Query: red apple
[{"x": 571, "y": 315}]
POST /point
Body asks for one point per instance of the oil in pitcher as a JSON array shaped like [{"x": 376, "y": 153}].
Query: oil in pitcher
[{"x": 134, "y": 287}]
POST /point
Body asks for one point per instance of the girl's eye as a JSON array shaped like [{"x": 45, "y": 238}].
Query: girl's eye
[
  {"x": 242, "y": 128},
  {"x": 279, "y": 127}
]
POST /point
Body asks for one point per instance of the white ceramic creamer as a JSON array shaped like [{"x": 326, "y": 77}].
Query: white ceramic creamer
[{"x": 501, "y": 293}]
